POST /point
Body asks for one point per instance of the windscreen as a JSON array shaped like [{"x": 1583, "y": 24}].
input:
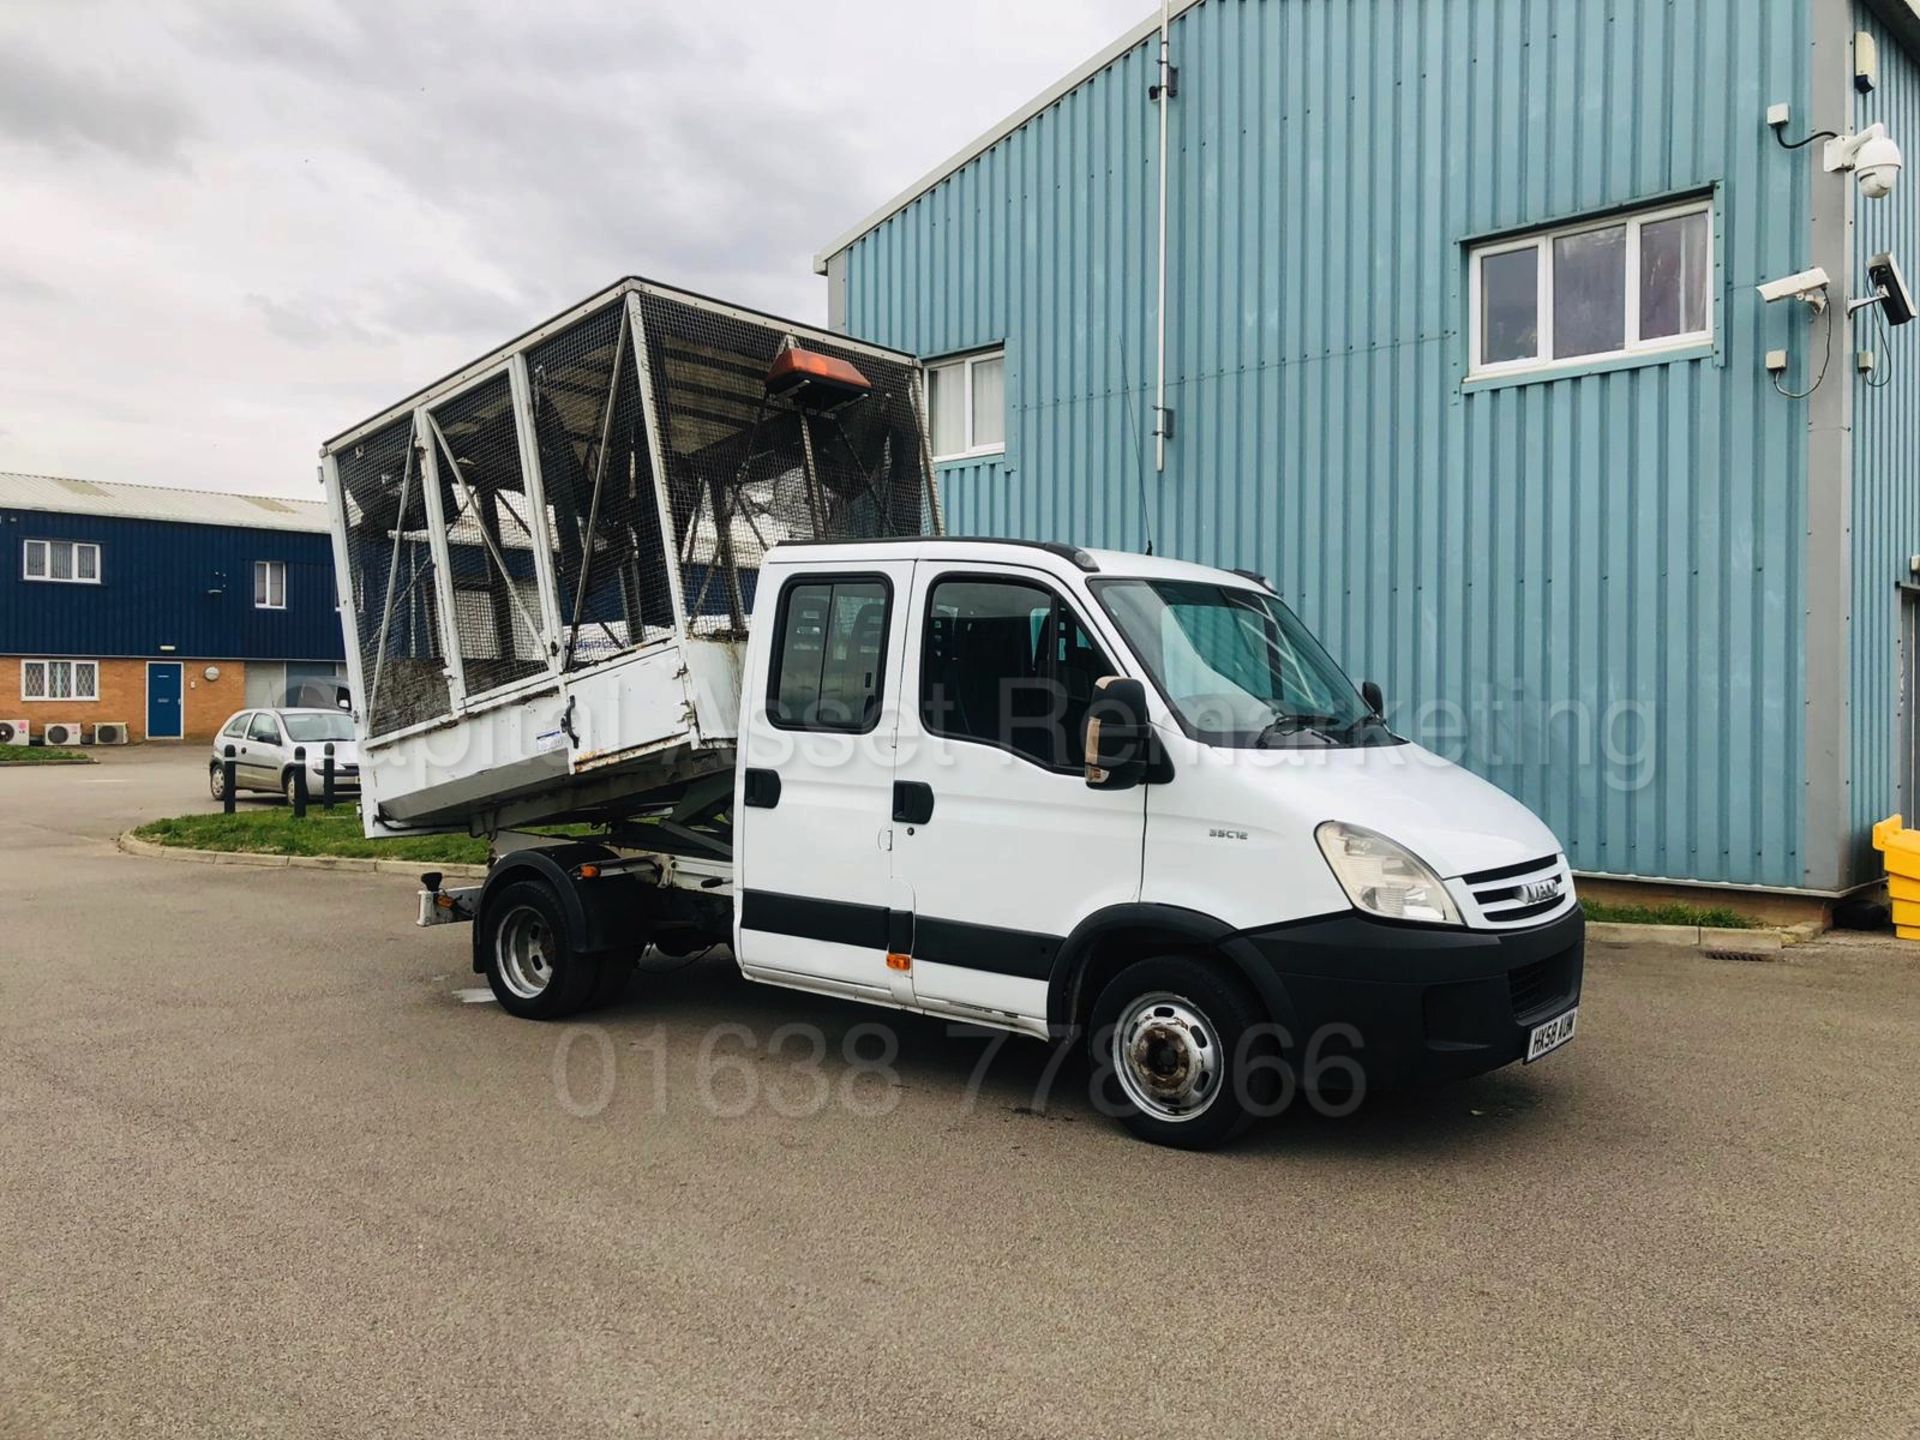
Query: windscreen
[{"x": 1237, "y": 665}]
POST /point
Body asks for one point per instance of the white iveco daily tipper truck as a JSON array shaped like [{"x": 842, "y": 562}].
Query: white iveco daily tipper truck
[{"x": 673, "y": 570}]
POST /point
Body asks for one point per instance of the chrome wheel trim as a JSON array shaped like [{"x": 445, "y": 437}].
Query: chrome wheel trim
[
  {"x": 523, "y": 952},
  {"x": 1168, "y": 1057}
]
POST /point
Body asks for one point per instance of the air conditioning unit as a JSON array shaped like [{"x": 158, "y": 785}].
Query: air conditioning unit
[
  {"x": 14, "y": 732},
  {"x": 110, "y": 732},
  {"x": 61, "y": 734}
]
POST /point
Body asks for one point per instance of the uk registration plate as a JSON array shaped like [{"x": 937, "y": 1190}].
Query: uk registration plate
[{"x": 1552, "y": 1035}]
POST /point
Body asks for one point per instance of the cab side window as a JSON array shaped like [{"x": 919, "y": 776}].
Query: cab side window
[
  {"x": 264, "y": 730},
  {"x": 1007, "y": 664},
  {"x": 237, "y": 727},
  {"x": 829, "y": 654}
]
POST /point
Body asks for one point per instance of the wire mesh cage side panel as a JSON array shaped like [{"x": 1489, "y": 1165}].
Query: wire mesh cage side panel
[
  {"x": 595, "y": 465},
  {"x": 498, "y": 621},
  {"x": 394, "y": 588},
  {"x": 747, "y": 468}
]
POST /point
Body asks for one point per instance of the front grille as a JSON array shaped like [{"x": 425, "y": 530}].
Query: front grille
[
  {"x": 1542, "y": 988},
  {"x": 1512, "y": 894}
]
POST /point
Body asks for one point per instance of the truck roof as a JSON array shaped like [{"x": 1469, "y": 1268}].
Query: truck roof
[{"x": 1108, "y": 563}]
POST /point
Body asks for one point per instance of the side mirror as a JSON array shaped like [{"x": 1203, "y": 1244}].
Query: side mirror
[
  {"x": 1376, "y": 702},
  {"x": 1118, "y": 734}
]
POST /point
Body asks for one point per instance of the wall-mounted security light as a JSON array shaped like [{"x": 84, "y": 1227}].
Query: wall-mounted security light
[
  {"x": 1889, "y": 291},
  {"x": 1872, "y": 157}
]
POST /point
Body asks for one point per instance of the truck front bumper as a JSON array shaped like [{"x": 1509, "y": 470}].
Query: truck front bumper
[{"x": 1424, "y": 1003}]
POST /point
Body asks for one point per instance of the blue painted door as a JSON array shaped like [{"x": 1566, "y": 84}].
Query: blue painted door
[{"x": 163, "y": 700}]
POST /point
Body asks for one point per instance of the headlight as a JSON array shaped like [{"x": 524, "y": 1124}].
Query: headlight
[{"x": 1383, "y": 878}]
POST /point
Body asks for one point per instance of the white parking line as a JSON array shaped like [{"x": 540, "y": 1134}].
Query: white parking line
[{"x": 480, "y": 995}]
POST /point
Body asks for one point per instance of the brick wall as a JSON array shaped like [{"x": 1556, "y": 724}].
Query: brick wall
[{"x": 123, "y": 697}]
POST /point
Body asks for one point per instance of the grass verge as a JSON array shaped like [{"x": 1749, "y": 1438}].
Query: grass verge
[
  {"x": 276, "y": 832},
  {"x": 42, "y": 755},
  {"x": 1711, "y": 917}
]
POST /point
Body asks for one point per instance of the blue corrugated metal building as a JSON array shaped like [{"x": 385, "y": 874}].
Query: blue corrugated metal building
[
  {"x": 161, "y": 609},
  {"x": 1463, "y": 350}
]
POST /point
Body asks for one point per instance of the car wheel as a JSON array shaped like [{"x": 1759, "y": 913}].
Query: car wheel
[
  {"x": 1170, "y": 1043},
  {"x": 217, "y": 782},
  {"x": 286, "y": 786},
  {"x": 531, "y": 966}
]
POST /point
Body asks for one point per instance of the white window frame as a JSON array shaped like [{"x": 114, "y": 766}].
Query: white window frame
[
  {"x": 46, "y": 695},
  {"x": 1543, "y": 360},
  {"x": 272, "y": 568},
  {"x": 965, "y": 363},
  {"x": 46, "y": 575}
]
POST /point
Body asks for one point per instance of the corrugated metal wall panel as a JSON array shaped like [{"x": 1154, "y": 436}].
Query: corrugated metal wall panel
[
  {"x": 1886, "y": 459},
  {"x": 157, "y": 588},
  {"x": 1573, "y": 570}
]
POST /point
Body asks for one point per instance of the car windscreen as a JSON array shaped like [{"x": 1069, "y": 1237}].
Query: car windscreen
[
  {"x": 1237, "y": 666},
  {"x": 304, "y": 729}
]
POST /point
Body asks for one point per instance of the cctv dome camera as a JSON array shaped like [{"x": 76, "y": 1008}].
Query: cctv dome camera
[{"x": 1877, "y": 166}]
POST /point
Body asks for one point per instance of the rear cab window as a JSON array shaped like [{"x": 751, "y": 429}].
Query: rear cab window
[{"x": 830, "y": 653}]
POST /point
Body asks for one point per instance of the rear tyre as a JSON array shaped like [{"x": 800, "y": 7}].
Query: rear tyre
[
  {"x": 531, "y": 964},
  {"x": 1169, "y": 1043}
]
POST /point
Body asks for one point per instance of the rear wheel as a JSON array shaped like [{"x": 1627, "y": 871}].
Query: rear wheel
[
  {"x": 1170, "y": 1043},
  {"x": 531, "y": 965}
]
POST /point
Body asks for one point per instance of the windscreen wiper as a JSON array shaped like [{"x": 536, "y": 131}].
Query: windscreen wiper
[{"x": 1298, "y": 722}]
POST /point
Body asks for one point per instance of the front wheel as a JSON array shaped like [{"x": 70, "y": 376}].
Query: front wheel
[
  {"x": 1170, "y": 1043},
  {"x": 217, "y": 782},
  {"x": 531, "y": 964}
]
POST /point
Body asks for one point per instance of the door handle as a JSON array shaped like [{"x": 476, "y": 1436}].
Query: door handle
[
  {"x": 912, "y": 802},
  {"x": 762, "y": 789}
]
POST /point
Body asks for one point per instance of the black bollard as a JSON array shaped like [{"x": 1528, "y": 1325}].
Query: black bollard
[
  {"x": 227, "y": 769},
  {"x": 326, "y": 779},
  {"x": 300, "y": 782}
]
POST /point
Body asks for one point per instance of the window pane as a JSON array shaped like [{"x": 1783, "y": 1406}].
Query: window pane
[
  {"x": 260, "y": 584},
  {"x": 1590, "y": 292},
  {"x": 36, "y": 559},
  {"x": 59, "y": 679},
  {"x": 990, "y": 402},
  {"x": 33, "y": 681},
  {"x": 986, "y": 673},
  {"x": 831, "y": 647},
  {"x": 86, "y": 681},
  {"x": 62, "y": 554},
  {"x": 1673, "y": 276},
  {"x": 88, "y": 557},
  {"x": 1509, "y": 306},
  {"x": 947, "y": 404}
]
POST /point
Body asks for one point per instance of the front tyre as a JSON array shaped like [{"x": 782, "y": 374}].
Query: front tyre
[
  {"x": 217, "y": 782},
  {"x": 1169, "y": 1045},
  {"x": 531, "y": 964}
]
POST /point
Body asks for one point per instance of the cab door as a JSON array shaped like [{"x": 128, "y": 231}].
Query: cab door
[
  {"x": 999, "y": 846},
  {"x": 816, "y": 782}
]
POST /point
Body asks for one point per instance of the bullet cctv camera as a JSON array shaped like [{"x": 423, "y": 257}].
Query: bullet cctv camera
[{"x": 1808, "y": 285}]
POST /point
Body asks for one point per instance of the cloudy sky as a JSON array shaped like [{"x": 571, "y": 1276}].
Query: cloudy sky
[{"x": 228, "y": 231}]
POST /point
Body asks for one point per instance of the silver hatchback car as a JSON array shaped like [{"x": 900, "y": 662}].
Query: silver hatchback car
[{"x": 263, "y": 744}]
